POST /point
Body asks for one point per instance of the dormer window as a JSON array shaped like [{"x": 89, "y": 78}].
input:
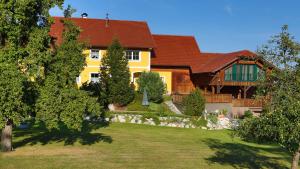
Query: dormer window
[
  {"x": 95, "y": 54},
  {"x": 133, "y": 55}
]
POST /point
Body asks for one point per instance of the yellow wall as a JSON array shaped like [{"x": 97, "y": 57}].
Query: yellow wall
[
  {"x": 167, "y": 76},
  {"x": 93, "y": 66}
]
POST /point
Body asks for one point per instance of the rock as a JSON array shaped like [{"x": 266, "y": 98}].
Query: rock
[
  {"x": 204, "y": 128},
  {"x": 111, "y": 107},
  {"x": 122, "y": 119}
]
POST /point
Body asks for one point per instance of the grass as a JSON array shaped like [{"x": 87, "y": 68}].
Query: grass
[
  {"x": 138, "y": 146},
  {"x": 136, "y": 105}
]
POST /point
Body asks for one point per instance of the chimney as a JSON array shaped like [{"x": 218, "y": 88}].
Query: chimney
[
  {"x": 107, "y": 20},
  {"x": 84, "y": 15}
]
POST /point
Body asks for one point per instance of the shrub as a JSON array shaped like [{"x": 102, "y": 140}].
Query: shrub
[
  {"x": 199, "y": 122},
  {"x": 213, "y": 118},
  {"x": 194, "y": 103},
  {"x": 247, "y": 114},
  {"x": 153, "y": 84}
]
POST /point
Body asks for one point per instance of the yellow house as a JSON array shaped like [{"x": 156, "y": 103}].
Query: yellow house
[
  {"x": 134, "y": 36},
  {"x": 138, "y": 61}
]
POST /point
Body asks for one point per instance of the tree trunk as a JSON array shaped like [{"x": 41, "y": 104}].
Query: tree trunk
[
  {"x": 295, "y": 162},
  {"x": 6, "y": 137}
]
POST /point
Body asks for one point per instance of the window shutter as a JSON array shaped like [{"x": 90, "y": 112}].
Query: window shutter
[
  {"x": 254, "y": 72},
  {"x": 234, "y": 72}
]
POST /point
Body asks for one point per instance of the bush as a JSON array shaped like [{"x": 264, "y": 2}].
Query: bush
[
  {"x": 199, "y": 121},
  {"x": 194, "y": 103},
  {"x": 213, "y": 118},
  {"x": 247, "y": 114},
  {"x": 153, "y": 84}
]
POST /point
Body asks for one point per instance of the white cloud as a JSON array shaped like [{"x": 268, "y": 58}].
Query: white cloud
[{"x": 228, "y": 9}]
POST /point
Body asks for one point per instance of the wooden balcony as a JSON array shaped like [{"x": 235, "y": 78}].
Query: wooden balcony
[
  {"x": 247, "y": 103},
  {"x": 218, "y": 98},
  {"x": 224, "y": 98}
]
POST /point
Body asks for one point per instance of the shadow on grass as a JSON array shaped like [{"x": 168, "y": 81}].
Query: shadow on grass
[
  {"x": 244, "y": 156},
  {"x": 38, "y": 134}
]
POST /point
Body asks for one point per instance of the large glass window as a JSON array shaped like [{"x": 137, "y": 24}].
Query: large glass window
[
  {"x": 133, "y": 55},
  {"x": 228, "y": 74},
  {"x": 240, "y": 72}
]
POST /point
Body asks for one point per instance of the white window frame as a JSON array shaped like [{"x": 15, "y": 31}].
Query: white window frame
[
  {"x": 90, "y": 78},
  {"x": 99, "y": 53},
  {"x": 131, "y": 60}
]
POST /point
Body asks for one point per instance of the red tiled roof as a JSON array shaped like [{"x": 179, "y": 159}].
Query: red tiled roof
[
  {"x": 183, "y": 51},
  {"x": 131, "y": 34},
  {"x": 174, "y": 50}
]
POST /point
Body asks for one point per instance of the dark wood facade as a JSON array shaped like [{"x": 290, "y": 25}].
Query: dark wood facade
[{"x": 214, "y": 86}]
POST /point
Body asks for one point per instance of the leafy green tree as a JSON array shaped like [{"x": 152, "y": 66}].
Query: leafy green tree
[
  {"x": 24, "y": 49},
  {"x": 115, "y": 76},
  {"x": 153, "y": 84},
  {"x": 280, "y": 121},
  {"x": 13, "y": 105},
  {"x": 61, "y": 103},
  {"x": 194, "y": 103},
  {"x": 69, "y": 11}
]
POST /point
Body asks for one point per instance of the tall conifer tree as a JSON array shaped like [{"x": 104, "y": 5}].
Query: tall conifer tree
[{"x": 115, "y": 76}]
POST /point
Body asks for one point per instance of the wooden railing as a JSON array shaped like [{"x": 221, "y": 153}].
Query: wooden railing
[
  {"x": 247, "y": 103},
  {"x": 223, "y": 98},
  {"x": 218, "y": 98}
]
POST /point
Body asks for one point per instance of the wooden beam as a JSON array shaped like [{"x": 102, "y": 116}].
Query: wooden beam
[
  {"x": 245, "y": 89},
  {"x": 219, "y": 88}
]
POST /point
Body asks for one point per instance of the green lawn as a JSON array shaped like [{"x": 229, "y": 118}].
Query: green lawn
[
  {"x": 136, "y": 105},
  {"x": 139, "y": 146}
]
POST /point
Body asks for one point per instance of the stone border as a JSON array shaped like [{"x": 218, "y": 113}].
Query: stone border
[{"x": 180, "y": 122}]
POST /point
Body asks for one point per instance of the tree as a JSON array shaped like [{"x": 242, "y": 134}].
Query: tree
[
  {"x": 69, "y": 11},
  {"x": 281, "y": 118},
  {"x": 152, "y": 83},
  {"x": 61, "y": 103},
  {"x": 194, "y": 103},
  {"x": 115, "y": 76},
  {"x": 24, "y": 49}
]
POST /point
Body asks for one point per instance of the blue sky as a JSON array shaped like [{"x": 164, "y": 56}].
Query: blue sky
[{"x": 218, "y": 25}]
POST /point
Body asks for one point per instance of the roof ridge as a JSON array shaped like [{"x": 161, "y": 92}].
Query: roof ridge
[
  {"x": 223, "y": 53},
  {"x": 173, "y": 35},
  {"x": 100, "y": 19}
]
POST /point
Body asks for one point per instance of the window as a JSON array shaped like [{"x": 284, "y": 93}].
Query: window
[
  {"x": 95, "y": 77},
  {"x": 245, "y": 72},
  {"x": 228, "y": 74},
  {"x": 95, "y": 54},
  {"x": 242, "y": 72},
  {"x": 251, "y": 76},
  {"x": 133, "y": 55}
]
